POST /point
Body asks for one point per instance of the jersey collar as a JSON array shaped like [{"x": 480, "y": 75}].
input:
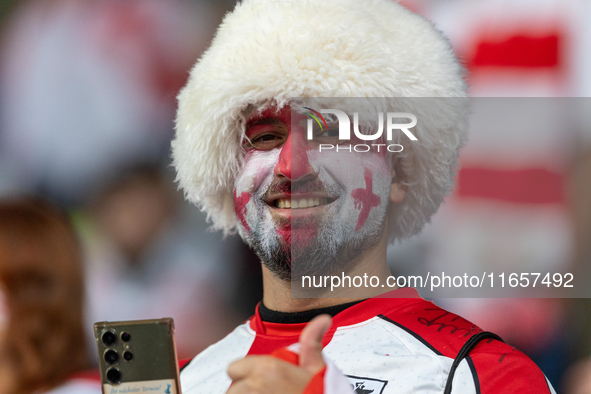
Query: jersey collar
[{"x": 355, "y": 313}]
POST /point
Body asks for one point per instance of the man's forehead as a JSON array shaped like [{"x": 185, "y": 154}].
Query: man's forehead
[
  {"x": 270, "y": 115},
  {"x": 274, "y": 116}
]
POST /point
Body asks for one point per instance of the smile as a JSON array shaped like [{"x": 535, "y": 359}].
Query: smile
[{"x": 299, "y": 203}]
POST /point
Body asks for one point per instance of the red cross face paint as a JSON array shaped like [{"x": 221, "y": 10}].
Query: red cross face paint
[{"x": 305, "y": 211}]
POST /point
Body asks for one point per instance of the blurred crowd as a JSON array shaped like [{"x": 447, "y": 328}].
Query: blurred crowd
[{"x": 87, "y": 104}]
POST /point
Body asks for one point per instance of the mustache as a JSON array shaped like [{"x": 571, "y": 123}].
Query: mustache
[{"x": 303, "y": 186}]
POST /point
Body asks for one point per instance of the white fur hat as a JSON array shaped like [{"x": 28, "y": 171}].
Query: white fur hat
[{"x": 270, "y": 50}]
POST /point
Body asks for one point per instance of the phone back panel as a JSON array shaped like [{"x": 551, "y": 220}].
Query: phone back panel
[{"x": 154, "y": 366}]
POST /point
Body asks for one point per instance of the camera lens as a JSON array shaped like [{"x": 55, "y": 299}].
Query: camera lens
[
  {"x": 125, "y": 337},
  {"x": 111, "y": 356},
  {"x": 127, "y": 355},
  {"x": 113, "y": 375},
  {"x": 109, "y": 338}
]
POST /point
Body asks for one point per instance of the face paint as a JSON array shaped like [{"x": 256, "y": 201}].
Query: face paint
[
  {"x": 240, "y": 208},
  {"x": 365, "y": 199},
  {"x": 252, "y": 211},
  {"x": 354, "y": 221},
  {"x": 305, "y": 210},
  {"x": 257, "y": 225}
]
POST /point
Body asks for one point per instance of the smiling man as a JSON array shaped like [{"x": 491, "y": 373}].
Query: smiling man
[
  {"x": 243, "y": 155},
  {"x": 297, "y": 207}
]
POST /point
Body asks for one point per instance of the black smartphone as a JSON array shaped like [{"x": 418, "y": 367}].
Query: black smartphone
[{"x": 138, "y": 356}]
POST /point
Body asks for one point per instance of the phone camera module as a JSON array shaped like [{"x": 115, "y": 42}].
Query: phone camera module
[
  {"x": 127, "y": 355},
  {"x": 109, "y": 338},
  {"x": 111, "y": 356},
  {"x": 125, "y": 337},
  {"x": 113, "y": 375}
]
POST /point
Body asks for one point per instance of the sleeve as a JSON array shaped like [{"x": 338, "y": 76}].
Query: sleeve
[
  {"x": 329, "y": 380},
  {"x": 500, "y": 368}
]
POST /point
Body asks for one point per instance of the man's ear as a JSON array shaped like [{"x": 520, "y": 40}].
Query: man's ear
[{"x": 398, "y": 188}]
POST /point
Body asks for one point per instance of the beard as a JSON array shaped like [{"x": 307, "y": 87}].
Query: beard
[{"x": 322, "y": 244}]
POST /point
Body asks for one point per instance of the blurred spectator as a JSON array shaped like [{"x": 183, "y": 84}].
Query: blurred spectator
[
  {"x": 89, "y": 86},
  {"x": 87, "y": 90},
  {"x": 148, "y": 258},
  {"x": 41, "y": 303},
  {"x": 512, "y": 210}
]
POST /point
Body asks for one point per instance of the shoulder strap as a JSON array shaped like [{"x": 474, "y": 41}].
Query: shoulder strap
[{"x": 464, "y": 351}]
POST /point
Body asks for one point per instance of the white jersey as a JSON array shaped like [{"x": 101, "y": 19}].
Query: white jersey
[{"x": 381, "y": 346}]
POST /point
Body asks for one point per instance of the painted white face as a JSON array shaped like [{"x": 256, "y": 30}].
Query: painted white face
[{"x": 305, "y": 210}]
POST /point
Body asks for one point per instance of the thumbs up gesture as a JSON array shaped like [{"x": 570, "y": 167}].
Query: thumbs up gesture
[
  {"x": 285, "y": 372},
  {"x": 311, "y": 343}
]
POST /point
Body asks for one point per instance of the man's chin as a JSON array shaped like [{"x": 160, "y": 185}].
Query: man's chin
[
  {"x": 303, "y": 246},
  {"x": 305, "y": 255}
]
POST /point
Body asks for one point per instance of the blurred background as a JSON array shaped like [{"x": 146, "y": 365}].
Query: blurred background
[{"x": 87, "y": 102}]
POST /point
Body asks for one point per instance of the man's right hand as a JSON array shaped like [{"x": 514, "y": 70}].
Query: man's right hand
[{"x": 271, "y": 375}]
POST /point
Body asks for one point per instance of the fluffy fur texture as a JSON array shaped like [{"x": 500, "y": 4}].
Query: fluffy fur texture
[{"x": 267, "y": 51}]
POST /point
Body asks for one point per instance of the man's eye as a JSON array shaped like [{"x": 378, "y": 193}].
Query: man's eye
[
  {"x": 266, "y": 138},
  {"x": 266, "y": 141}
]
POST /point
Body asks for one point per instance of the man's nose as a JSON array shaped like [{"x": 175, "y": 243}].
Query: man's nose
[{"x": 293, "y": 159}]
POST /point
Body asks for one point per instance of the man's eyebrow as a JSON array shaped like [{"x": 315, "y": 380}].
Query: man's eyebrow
[{"x": 263, "y": 121}]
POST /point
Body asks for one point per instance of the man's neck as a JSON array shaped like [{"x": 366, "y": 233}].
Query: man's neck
[
  {"x": 270, "y": 316},
  {"x": 277, "y": 294}
]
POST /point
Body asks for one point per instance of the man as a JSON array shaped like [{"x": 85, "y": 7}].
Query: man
[{"x": 242, "y": 155}]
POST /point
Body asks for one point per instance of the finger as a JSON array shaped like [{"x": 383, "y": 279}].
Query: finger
[
  {"x": 240, "y": 387},
  {"x": 311, "y": 343},
  {"x": 239, "y": 369}
]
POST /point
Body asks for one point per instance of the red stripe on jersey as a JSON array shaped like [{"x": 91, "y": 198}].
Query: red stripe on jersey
[
  {"x": 272, "y": 336},
  {"x": 287, "y": 355},
  {"x": 184, "y": 363},
  {"x": 522, "y": 186},
  {"x": 264, "y": 344},
  {"x": 500, "y": 367},
  {"x": 519, "y": 50},
  {"x": 504, "y": 369},
  {"x": 316, "y": 385}
]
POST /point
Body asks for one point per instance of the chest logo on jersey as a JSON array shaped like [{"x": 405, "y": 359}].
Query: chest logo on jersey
[{"x": 366, "y": 385}]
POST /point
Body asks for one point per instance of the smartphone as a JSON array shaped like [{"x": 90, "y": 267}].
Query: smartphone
[{"x": 137, "y": 356}]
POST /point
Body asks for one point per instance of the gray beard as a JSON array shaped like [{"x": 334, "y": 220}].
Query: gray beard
[{"x": 327, "y": 253}]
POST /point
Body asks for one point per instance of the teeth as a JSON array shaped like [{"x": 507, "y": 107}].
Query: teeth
[{"x": 301, "y": 203}]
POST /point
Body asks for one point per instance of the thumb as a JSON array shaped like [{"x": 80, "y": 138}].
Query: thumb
[{"x": 311, "y": 343}]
